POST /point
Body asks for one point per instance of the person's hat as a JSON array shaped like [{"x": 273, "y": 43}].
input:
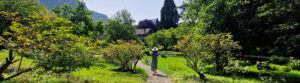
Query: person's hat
[{"x": 154, "y": 49}]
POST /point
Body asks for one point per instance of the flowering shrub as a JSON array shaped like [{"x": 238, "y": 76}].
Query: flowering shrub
[{"x": 125, "y": 54}]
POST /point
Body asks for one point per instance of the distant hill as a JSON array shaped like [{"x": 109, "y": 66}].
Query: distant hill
[{"x": 53, "y": 3}]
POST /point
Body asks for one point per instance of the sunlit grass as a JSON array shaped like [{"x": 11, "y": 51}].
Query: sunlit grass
[
  {"x": 94, "y": 74},
  {"x": 97, "y": 74},
  {"x": 176, "y": 68},
  {"x": 26, "y": 63}
]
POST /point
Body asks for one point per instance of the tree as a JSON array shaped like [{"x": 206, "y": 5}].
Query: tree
[
  {"x": 169, "y": 15},
  {"x": 162, "y": 38},
  {"x": 202, "y": 51},
  {"x": 120, "y": 27},
  {"x": 115, "y": 30},
  {"x": 49, "y": 41},
  {"x": 12, "y": 40},
  {"x": 80, "y": 16},
  {"x": 24, "y": 9},
  {"x": 123, "y": 17},
  {"x": 262, "y": 27},
  {"x": 157, "y": 24},
  {"x": 144, "y": 24}
]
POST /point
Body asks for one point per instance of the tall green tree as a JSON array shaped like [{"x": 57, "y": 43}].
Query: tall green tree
[
  {"x": 264, "y": 27},
  {"x": 123, "y": 17},
  {"x": 80, "y": 16},
  {"x": 114, "y": 30},
  {"x": 120, "y": 26},
  {"x": 169, "y": 15}
]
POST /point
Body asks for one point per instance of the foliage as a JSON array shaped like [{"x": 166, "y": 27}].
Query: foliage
[
  {"x": 295, "y": 64},
  {"x": 279, "y": 60},
  {"x": 169, "y": 15},
  {"x": 120, "y": 27},
  {"x": 194, "y": 51},
  {"x": 144, "y": 24},
  {"x": 123, "y": 17},
  {"x": 201, "y": 51},
  {"x": 279, "y": 68},
  {"x": 115, "y": 30},
  {"x": 262, "y": 26},
  {"x": 165, "y": 38},
  {"x": 24, "y": 9},
  {"x": 81, "y": 17},
  {"x": 51, "y": 42},
  {"x": 125, "y": 54},
  {"x": 9, "y": 41},
  {"x": 157, "y": 24}
]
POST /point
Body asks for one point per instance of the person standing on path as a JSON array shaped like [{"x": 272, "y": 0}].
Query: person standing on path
[{"x": 154, "y": 60}]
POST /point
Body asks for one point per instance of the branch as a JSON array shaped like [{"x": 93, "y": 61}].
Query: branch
[
  {"x": 9, "y": 61},
  {"x": 15, "y": 61},
  {"x": 27, "y": 70}
]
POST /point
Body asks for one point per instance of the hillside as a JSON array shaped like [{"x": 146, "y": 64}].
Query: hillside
[{"x": 53, "y": 3}]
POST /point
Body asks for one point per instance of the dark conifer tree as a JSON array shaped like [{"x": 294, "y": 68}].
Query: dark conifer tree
[{"x": 169, "y": 15}]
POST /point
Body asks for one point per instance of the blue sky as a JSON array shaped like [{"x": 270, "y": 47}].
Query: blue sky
[{"x": 139, "y": 9}]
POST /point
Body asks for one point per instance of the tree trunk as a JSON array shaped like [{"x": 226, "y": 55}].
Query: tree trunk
[
  {"x": 9, "y": 61},
  {"x": 218, "y": 64},
  {"x": 19, "y": 68},
  {"x": 202, "y": 76},
  {"x": 134, "y": 66}
]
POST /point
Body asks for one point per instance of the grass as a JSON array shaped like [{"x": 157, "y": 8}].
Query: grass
[
  {"x": 170, "y": 53},
  {"x": 100, "y": 72},
  {"x": 176, "y": 68},
  {"x": 93, "y": 74},
  {"x": 26, "y": 63},
  {"x": 97, "y": 74}
]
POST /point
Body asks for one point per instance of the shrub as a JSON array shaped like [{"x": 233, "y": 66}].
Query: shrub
[
  {"x": 280, "y": 68},
  {"x": 263, "y": 66},
  {"x": 50, "y": 41},
  {"x": 279, "y": 60},
  {"x": 164, "y": 38},
  {"x": 295, "y": 64},
  {"x": 60, "y": 50},
  {"x": 125, "y": 54},
  {"x": 201, "y": 51}
]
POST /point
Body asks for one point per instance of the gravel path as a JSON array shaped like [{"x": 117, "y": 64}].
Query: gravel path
[{"x": 158, "y": 78}]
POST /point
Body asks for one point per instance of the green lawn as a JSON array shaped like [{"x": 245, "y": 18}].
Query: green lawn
[
  {"x": 176, "y": 68},
  {"x": 26, "y": 63},
  {"x": 100, "y": 72}
]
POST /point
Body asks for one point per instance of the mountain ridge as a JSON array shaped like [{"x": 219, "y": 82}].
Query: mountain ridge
[{"x": 53, "y": 3}]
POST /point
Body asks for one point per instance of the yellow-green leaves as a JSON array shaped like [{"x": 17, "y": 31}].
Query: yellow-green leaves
[{"x": 124, "y": 53}]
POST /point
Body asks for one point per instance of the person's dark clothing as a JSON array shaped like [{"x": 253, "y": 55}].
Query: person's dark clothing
[{"x": 154, "y": 61}]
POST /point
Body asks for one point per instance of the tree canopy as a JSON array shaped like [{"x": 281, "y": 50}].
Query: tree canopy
[
  {"x": 80, "y": 16},
  {"x": 263, "y": 27},
  {"x": 169, "y": 15},
  {"x": 147, "y": 24}
]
